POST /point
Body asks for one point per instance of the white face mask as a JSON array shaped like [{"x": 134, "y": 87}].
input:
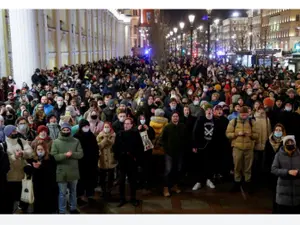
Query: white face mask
[
  {"x": 205, "y": 89},
  {"x": 190, "y": 93},
  {"x": 142, "y": 122},
  {"x": 122, "y": 119},
  {"x": 106, "y": 130},
  {"x": 85, "y": 129},
  {"x": 288, "y": 109},
  {"x": 196, "y": 102},
  {"x": 42, "y": 135}
]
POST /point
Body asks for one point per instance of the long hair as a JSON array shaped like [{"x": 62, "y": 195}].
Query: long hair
[
  {"x": 111, "y": 128},
  {"x": 45, "y": 146},
  {"x": 282, "y": 128}
]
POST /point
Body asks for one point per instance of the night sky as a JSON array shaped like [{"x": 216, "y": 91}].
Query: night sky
[{"x": 172, "y": 17}]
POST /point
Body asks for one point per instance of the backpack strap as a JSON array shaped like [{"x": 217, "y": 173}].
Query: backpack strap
[{"x": 20, "y": 143}]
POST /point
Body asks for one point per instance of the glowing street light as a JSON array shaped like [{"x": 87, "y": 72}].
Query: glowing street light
[
  {"x": 235, "y": 14},
  {"x": 181, "y": 25}
]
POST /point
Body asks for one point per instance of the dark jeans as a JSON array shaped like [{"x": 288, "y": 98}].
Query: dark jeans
[
  {"x": 106, "y": 179},
  {"x": 205, "y": 165},
  {"x": 173, "y": 166},
  {"x": 148, "y": 169},
  {"x": 86, "y": 187},
  {"x": 14, "y": 190},
  {"x": 258, "y": 166},
  {"x": 282, "y": 209},
  {"x": 128, "y": 167}
]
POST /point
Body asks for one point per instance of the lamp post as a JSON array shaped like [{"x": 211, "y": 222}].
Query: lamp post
[
  {"x": 168, "y": 47},
  {"x": 181, "y": 25},
  {"x": 216, "y": 22},
  {"x": 208, "y": 31},
  {"x": 175, "y": 29},
  {"x": 171, "y": 34},
  {"x": 191, "y": 19},
  {"x": 251, "y": 28}
]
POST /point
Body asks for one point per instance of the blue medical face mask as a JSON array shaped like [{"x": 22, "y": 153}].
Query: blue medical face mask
[{"x": 278, "y": 134}]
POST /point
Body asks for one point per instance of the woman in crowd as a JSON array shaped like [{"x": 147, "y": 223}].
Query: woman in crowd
[
  {"x": 88, "y": 163},
  {"x": 96, "y": 125},
  {"x": 42, "y": 137},
  {"x": 286, "y": 167},
  {"x": 106, "y": 162},
  {"x": 147, "y": 161},
  {"x": 43, "y": 171}
]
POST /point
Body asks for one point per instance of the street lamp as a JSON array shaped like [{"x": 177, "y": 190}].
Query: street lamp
[
  {"x": 235, "y": 14},
  {"x": 216, "y": 22},
  {"x": 208, "y": 31},
  {"x": 181, "y": 25},
  {"x": 175, "y": 29},
  {"x": 191, "y": 19}
]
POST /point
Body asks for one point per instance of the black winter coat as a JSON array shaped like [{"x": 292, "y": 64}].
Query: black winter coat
[
  {"x": 88, "y": 164},
  {"x": 128, "y": 145},
  {"x": 44, "y": 185}
]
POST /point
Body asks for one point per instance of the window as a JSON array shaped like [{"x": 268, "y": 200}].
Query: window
[
  {"x": 148, "y": 16},
  {"x": 135, "y": 12},
  {"x": 298, "y": 17}
]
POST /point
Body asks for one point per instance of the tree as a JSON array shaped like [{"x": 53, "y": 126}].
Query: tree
[{"x": 157, "y": 39}]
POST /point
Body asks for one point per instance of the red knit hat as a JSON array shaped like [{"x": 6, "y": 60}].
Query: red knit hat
[
  {"x": 42, "y": 128},
  {"x": 227, "y": 87},
  {"x": 268, "y": 102}
]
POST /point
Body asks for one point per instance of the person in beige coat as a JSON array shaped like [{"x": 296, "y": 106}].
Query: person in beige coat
[
  {"x": 263, "y": 129},
  {"x": 106, "y": 162},
  {"x": 18, "y": 150}
]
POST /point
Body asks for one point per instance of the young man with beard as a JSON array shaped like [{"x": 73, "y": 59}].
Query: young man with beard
[
  {"x": 128, "y": 150},
  {"x": 173, "y": 140},
  {"x": 222, "y": 145},
  {"x": 203, "y": 135}
]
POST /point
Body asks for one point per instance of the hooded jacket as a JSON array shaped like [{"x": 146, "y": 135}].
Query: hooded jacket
[
  {"x": 67, "y": 168},
  {"x": 287, "y": 190},
  {"x": 106, "y": 155}
]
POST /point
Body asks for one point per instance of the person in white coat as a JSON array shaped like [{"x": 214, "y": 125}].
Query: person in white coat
[{"x": 18, "y": 151}]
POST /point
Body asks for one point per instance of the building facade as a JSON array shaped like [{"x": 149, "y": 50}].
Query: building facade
[
  {"x": 31, "y": 39},
  {"x": 281, "y": 28}
]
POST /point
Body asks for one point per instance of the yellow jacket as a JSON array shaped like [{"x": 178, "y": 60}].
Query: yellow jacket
[
  {"x": 158, "y": 123},
  {"x": 245, "y": 142}
]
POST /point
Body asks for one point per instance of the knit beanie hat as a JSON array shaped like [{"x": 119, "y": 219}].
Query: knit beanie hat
[
  {"x": 9, "y": 129},
  {"x": 227, "y": 87},
  {"x": 207, "y": 106},
  {"x": 66, "y": 125},
  {"x": 111, "y": 103},
  {"x": 124, "y": 102},
  {"x": 218, "y": 87},
  {"x": 268, "y": 102},
  {"x": 159, "y": 112},
  {"x": 42, "y": 128},
  {"x": 288, "y": 137}
]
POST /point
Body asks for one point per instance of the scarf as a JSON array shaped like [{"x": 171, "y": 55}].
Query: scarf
[{"x": 275, "y": 142}]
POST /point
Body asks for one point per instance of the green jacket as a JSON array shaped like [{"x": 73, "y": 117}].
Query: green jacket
[{"x": 67, "y": 168}]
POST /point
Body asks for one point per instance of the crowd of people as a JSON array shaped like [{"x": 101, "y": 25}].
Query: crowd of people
[{"x": 85, "y": 128}]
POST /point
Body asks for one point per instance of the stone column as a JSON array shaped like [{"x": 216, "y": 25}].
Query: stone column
[
  {"x": 4, "y": 67},
  {"x": 94, "y": 35},
  {"x": 58, "y": 39},
  {"x": 100, "y": 34},
  {"x": 80, "y": 35},
  {"x": 24, "y": 43},
  {"x": 43, "y": 38},
  {"x": 71, "y": 36}
]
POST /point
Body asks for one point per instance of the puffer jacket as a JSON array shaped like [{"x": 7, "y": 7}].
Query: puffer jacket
[
  {"x": 16, "y": 172},
  {"x": 158, "y": 124},
  {"x": 106, "y": 154},
  {"x": 67, "y": 168},
  {"x": 288, "y": 187},
  {"x": 263, "y": 129},
  {"x": 53, "y": 130},
  {"x": 241, "y": 142}
]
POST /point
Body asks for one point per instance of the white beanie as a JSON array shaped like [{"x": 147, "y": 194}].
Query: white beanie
[{"x": 288, "y": 137}]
